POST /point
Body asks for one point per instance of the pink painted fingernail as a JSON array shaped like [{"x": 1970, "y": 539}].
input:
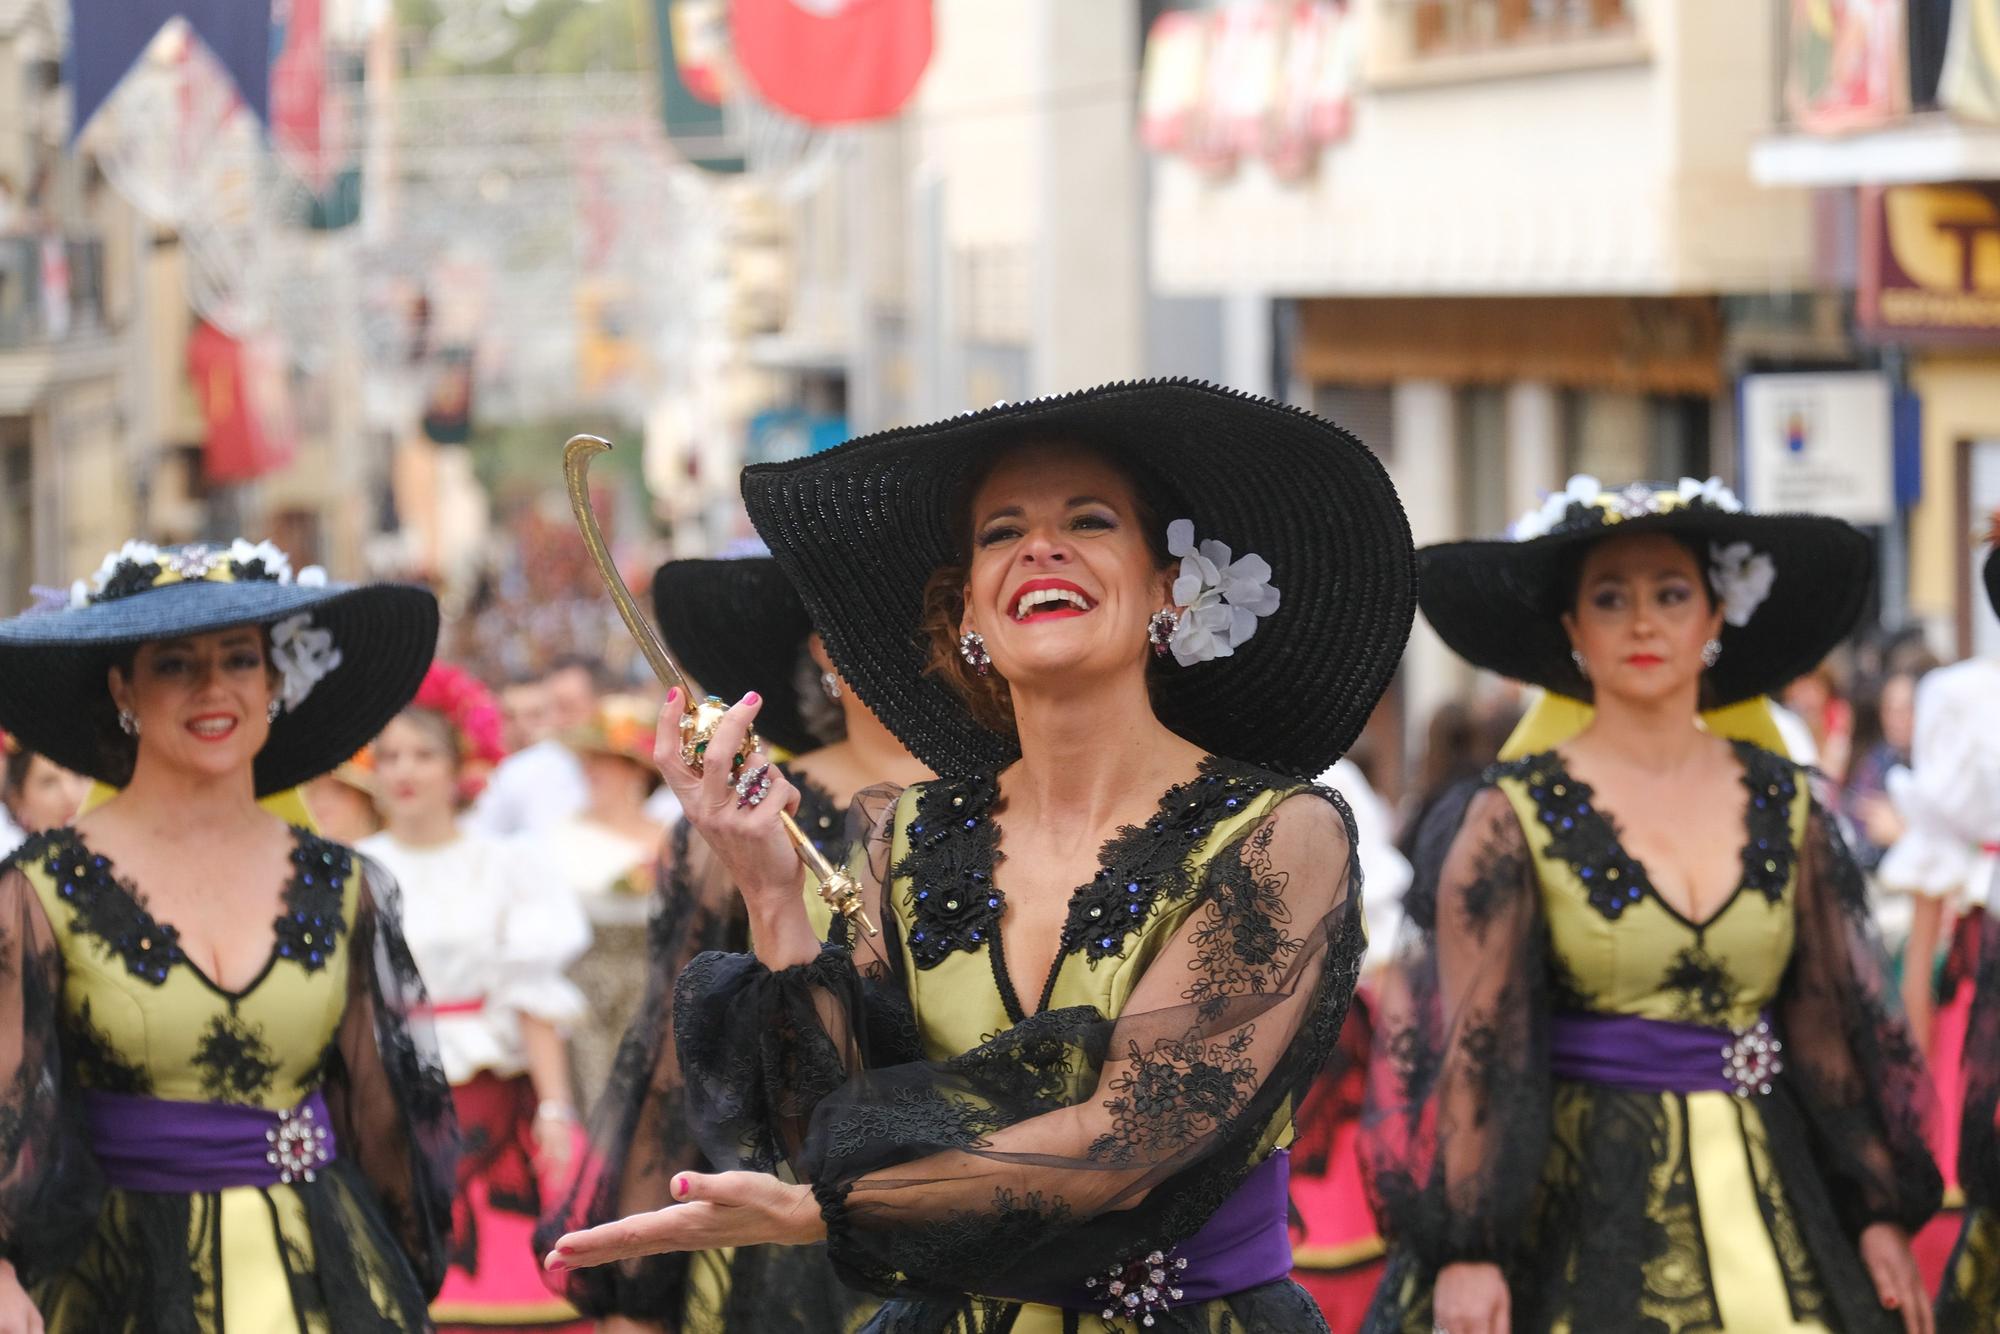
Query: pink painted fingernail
[
  {"x": 554, "y": 1264},
  {"x": 673, "y": 694},
  {"x": 680, "y": 1188},
  {"x": 753, "y": 698}
]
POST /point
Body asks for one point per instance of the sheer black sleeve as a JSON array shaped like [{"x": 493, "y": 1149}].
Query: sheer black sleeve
[
  {"x": 1849, "y": 1056},
  {"x": 391, "y": 1106},
  {"x": 639, "y": 1137},
  {"x": 1072, "y": 1140},
  {"x": 50, "y": 1187},
  {"x": 1456, "y": 1126},
  {"x": 1979, "y": 1123}
]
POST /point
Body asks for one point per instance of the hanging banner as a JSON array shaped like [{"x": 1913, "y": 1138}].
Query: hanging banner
[
  {"x": 1930, "y": 263},
  {"x": 1272, "y": 81},
  {"x": 1847, "y": 64},
  {"x": 693, "y": 82},
  {"x": 1969, "y": 85},
  {"x": 108, "y": 36},
  {"x": 1819, "y": 443},
  {"x": 241, "y": 389},
  {"x": 832, "y": 62}
]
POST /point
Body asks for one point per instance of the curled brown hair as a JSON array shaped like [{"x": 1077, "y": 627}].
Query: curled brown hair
[{"x": 987, "y": 697}]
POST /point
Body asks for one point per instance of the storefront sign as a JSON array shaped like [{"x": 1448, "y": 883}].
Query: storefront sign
[
  {"x": 1930, "y": 263},
  {"x": 1819, "y": 442}
]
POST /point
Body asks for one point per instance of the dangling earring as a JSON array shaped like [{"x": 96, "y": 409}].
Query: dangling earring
[
  {"x": 1160, "y": 630},
  {"x": 1582, "y": 667},
  {"x": 1711, "y": 652},
  {"x": 273, "y": 709},
  {"x": 128, "y": 722},
  {"x": 972, "y": 647},
  {"x": 830, "y": 683}
]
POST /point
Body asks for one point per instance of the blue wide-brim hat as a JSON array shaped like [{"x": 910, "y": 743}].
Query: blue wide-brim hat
[{"x": 55, "y": 697}]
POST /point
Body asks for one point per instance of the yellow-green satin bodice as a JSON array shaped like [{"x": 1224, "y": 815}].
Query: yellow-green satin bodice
[
  {"x": 181, "y": 1037},
  {"x": 1647, "y": 959}
]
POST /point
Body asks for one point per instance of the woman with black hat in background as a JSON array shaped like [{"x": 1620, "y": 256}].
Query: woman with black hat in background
[
  {"x": 216, "y": 1112},
  {"x": 738, "y": 627},
  {"x": 1118, "y": 940},
  {"x": 1970, "y": 1294},
  {"x": 1650, "y": 1073}
]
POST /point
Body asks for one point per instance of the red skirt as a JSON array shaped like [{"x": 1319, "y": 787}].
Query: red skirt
[
  {"x": 494, "y": 1281},
  {"x": 1336, "y": 1251}
]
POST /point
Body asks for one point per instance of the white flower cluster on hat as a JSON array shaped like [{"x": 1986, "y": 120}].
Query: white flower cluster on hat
[
  {"x": 1220, "y": 600},
  {"x": 195, "y": 562},
  {"x": 1741, "y": 575}
]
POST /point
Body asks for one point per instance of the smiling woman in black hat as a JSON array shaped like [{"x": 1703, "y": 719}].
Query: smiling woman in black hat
[
  {"x": 1646, "y": 1070},
  {"x": 215, "y": 1112},
  {"x": 1117, "y": 942},
  {"x": 737, "y": 626}
]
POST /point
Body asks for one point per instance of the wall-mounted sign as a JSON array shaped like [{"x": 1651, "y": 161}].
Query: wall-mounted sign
[
  {"x": 1267, "y": 80},
  {"x": 1930, "y": 263},
  {"x": 1819, "y": 442}
]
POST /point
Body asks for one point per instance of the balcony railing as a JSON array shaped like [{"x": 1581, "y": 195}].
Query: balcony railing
[{"x": 50, "y": 289}]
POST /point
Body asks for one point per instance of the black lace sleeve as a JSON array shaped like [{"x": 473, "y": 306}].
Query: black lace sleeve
[
  {"x": 50, "y": 1187},
  {"x": 639, "y": 1137},
  {"x": 1979, "y": 1124},
  {"x": 1457, "y": 1120},
  {"x": 1849, "y": 1056},
  {"x": 391, "y": 1106},
  {"x": 1072, "y": 1140}
]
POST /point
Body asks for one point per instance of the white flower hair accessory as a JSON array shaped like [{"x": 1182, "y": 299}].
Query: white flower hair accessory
[
  {"x": 1742, "y": 579},
  {"x": 1220, "y": 600},
  {"x": 304, "y": 654}
]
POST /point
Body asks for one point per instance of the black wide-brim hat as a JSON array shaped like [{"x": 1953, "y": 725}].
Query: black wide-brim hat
[
  {"x": 737, "y": 626},
  {"x": 860, "y": 528},
  {"x": 1497, "y": 603},
  {"x": 53, "y": 665}
]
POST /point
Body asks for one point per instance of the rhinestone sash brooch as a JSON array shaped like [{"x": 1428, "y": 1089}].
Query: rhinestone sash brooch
[
  {"x": 298, "y": 1147},
  {"x": 1141, "y": 1289},
  {"x": 1751, "y": 1061}
]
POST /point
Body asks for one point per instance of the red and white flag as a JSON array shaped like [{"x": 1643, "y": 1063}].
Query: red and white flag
[{"x": 832, "y": 61}]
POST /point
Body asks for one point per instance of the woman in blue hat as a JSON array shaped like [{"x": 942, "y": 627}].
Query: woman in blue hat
[{"x": 214, "y": 1113}]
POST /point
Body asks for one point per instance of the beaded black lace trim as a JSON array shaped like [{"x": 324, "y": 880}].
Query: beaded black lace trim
[
  {"x": 1613, "y": 879},
  {"x": 954, "y": 847},
  {"x": 307, "y": 928}
]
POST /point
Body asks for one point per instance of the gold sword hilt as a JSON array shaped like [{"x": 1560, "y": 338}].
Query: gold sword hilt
[{"x": 704, "y": 715}]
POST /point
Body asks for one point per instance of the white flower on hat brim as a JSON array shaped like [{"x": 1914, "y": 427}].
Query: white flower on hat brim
[{"x": 1219, "y": 600}]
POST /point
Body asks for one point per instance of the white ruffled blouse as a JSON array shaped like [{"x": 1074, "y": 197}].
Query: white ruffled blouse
[
  {"x": 491, "y": 926},
  {"x": 1949, "y": 797}
]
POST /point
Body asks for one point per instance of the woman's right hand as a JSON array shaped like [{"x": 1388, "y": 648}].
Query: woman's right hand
[
  {"x": 17, "y": 1314},
  {"x": 748, "y": 840},
  {"x": 1470, "y": 1299}
]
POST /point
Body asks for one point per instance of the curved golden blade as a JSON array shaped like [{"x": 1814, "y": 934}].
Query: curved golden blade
[
  {"x": 577, "y": 455},
  {"x": 698, "y": 723}
]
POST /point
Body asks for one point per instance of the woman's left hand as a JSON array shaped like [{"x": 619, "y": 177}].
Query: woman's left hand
[
  {"x": 715, "y": 1210},
  {"x": 1885, "y": 1251}
]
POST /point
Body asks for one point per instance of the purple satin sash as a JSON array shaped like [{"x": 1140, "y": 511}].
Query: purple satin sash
[
  {"x": 182, "y": 1148},
  {"x": 1661, "y": 1056},
  {"x": 1245, "y": 1244}
]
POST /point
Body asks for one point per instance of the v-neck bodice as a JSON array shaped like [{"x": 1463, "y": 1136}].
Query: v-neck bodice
[
  {"x": 950, "y": 906},
  {"x": 144, "y": 1018},
  {"x": 1618, "y": 946}
]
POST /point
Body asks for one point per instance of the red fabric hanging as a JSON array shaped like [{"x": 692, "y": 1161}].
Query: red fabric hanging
[{"x": 832, "y": 61}]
